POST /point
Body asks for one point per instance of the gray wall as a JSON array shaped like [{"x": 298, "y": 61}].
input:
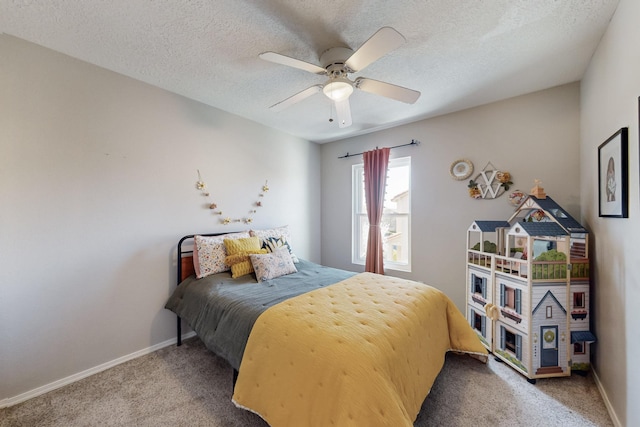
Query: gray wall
[
  {"x": 534, "y": 136},
  {"x": 97, "y": 184},
  {"x": 610, "y": 91}
]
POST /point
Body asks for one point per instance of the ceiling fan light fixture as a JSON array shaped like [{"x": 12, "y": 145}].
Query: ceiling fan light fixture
[{"x": 338, "y": 89}]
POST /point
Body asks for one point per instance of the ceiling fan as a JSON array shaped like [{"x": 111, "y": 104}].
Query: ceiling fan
[{"x": 337, "y": 64}]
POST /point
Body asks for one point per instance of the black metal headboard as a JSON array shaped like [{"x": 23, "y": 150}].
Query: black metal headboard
[
  {"x": 185, "y": 256},
  {"x": 186, "y": 268}
]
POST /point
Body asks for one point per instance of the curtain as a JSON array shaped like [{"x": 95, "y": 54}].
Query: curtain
[{"x": 375, "y": 180}]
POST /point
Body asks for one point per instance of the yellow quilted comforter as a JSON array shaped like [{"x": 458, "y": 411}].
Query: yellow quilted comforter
[{"x": 361, "y": 352}]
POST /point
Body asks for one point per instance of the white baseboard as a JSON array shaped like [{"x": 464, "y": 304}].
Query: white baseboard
[
  {"x": 5, "y": 403},
  {"x": 605, "y": 399}
]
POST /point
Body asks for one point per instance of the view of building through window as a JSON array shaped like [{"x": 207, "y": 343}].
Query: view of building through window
[{"x": 396, "y": 217}]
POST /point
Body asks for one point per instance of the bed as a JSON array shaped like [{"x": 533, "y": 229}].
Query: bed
[{"x": 323, "y": 346}]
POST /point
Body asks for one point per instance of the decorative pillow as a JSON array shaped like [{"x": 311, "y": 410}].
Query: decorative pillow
[
  {"x": 238, "y": 251},
  {"x": 272, "y": 265},
  {"x": 209, "y": 253},
  {"x": 241, "y": 268},
  {"x": 245, "y": 244},
  {"x": 272, "y": 244},
  {"x": 279, "y": 232}
]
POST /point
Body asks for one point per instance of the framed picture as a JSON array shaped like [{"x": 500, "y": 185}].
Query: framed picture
[{"x": 613, "y": 175}]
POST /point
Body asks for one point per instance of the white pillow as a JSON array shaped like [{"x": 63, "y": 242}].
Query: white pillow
[
  {"x": 209, "y": 253},
  {"x": 272, "y": 265},
  {"x": 279, "y": 232}
]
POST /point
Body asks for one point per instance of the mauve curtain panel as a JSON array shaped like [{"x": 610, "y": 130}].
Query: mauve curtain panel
[{"x": 375, "y": 180}]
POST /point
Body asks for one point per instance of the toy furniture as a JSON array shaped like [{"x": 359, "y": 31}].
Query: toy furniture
[{"x": 528, "y": 289}]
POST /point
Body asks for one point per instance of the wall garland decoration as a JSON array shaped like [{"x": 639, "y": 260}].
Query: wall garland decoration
[{"x": 202, "y": 187}]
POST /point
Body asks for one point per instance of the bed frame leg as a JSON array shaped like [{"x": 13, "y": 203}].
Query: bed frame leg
[{"x": 179, "y": 324}]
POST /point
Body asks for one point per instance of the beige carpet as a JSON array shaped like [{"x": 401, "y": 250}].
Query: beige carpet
[{"x": 190, "y": 386}]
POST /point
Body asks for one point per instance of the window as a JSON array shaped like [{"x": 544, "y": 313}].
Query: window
[
  {"x": 578, "y": 300},
  {"x": 579, "y": 348},
  {"x": 511, "y": 342},
  {"x": 479, "y": 285},
  {"x": 511, "y": 298},
  {"x": 396, "y": 217},
  {"x": 479, "y": 323}
]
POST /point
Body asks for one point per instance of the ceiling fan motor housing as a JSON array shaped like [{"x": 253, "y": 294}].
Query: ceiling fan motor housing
[{"x": 333, "y": 61}]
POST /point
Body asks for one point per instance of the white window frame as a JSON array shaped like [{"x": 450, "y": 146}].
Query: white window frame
[{"x": 358, "y": 201}]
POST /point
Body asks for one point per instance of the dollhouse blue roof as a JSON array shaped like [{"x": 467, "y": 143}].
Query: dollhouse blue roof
[
  {"x": 543, "y": 229},
  {"x": 580, "y": 336},
  {"x": 491, "y": 225},
  {"x": 549, "y": 294},
  {"x": 559, "y": 214}
]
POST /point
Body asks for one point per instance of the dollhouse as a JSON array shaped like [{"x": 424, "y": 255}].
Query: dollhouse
[{"x": 528, "y": 288}]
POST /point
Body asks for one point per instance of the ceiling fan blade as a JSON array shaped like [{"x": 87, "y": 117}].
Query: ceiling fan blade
[
  {"x": 387, "y": 90},
  {"x": 292, "y": 62},
  {"x": 382, "y": 42},
  {"x": 343, "y": 111},
  {"x": 296, "y": 98}
]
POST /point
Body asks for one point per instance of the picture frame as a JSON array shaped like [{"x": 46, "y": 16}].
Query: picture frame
[{"x": 613, "y": 175}]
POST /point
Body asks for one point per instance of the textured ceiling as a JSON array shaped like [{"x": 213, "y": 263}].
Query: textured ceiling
[{"x": 458, "y": 54}]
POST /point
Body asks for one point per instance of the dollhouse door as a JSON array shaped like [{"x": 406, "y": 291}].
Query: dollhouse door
[{"x": 549, "y": 344}]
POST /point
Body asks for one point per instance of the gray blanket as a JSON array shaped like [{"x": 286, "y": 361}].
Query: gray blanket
[{"x": 222, "y": 310}]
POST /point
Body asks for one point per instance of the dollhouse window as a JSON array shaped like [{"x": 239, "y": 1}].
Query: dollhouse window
[
  {"x": 510, "y": 341},
  {"x": 578, "y": 347},
  {"x": 511, "y": 298},
  {"x": 549, "y": 312},
  {"x": 558, "y": 213},
  {"x": 578, "y": 300},
  {"x": 479, "y": 285},
  {"x": 479, "y": 323}
]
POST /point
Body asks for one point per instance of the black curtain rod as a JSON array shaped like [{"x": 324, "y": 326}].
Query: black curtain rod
[{"x": 413, "y": 142}]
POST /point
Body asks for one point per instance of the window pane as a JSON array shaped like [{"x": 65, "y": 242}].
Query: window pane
[
  {"x": 363, "y": 236},
  {"x": 396, "y": 198},
  {"x": 395, "y": 236},
  {"x": 362, "y": 202}
]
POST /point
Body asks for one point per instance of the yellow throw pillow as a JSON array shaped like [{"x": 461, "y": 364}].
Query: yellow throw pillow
[
  {"x": 241, "y": 264},
  {"x": 241, "y": 268},
  {"x": 235, "y": 259},
  {"x": 236, "y": 246},
  {"x": 238, "y": 251}
]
